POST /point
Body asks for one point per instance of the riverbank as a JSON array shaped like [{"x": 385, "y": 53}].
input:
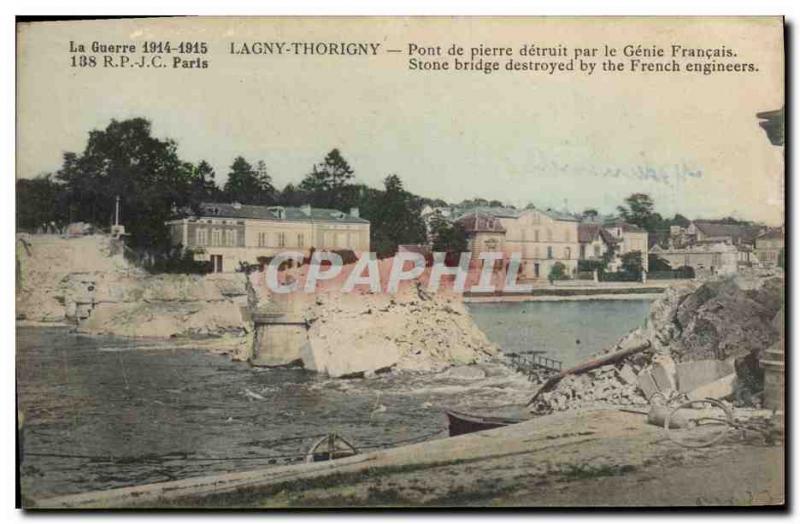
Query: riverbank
[
  {"x": 579, "y": 290},
  {"x": 554, "y": 460},
  {"x": 561, "y": 298}
]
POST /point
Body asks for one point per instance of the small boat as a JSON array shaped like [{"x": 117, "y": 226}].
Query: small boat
[
  {"x": 461, "y": 423},
  {"x": 330, "y": 447}
]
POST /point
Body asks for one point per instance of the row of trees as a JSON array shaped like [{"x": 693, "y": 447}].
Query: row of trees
[{"x": 153, "y": 182}]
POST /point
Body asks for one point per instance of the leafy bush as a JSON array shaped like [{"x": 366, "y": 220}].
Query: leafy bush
[
  {"x": 176, "y": 260},
  {"x": 591, "y": 266},
  {"x": 558, "y": 272},
  {"x": 656, "y": 263}
]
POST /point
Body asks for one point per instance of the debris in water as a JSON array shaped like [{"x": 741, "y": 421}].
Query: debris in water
[{"x": 253, "y": 395}]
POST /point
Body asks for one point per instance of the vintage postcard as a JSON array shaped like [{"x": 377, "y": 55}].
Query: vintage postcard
[{"x": 400, "y": 262}]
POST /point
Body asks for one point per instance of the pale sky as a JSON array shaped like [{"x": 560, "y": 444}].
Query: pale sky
[{"x": 691, "y": 141}]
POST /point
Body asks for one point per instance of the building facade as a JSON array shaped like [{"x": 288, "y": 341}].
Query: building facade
[
  {"x": 227, "y": 234},
  {"x": 714, "y": 259},
  {"x": 769, "y": 247},
  {"x": 543, "y": 238}
]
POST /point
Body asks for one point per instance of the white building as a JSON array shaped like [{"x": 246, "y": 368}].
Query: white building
[{"x": 229, "y": 233}]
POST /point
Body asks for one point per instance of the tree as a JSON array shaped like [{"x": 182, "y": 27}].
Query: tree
[
  {"x": 474, "y": 202},
  {"x": 590, "y": 213},
  {"x": 558, "y": 271},
  {"x": 632, "y": 263},
  {"x": 40, "y": 205},
  {"x": 639, "y": 211},
  {"x": 656, "y": 263},
  {"x": 292, "y": 196},
  {"x": 680, "y": 220},
  {"x": 327, "y": 184},
  {"x": 203, "y": 186},
  {"x": 249, "y": 185},
  {"x": 446, "y": 236},
  {"x": 125, "y": 160},
  {"x": 394, "y": 216}
]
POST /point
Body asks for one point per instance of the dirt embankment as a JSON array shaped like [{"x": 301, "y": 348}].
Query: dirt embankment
[
  {"x": 86, "y": 281},
  {"x": 703, "y": 329}
]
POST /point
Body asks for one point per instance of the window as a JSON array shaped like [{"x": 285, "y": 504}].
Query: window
[
  {"x": 216, "y": 237},
  {"x": 281, "y": 239},
  {"x": 549, "y": 235},
  {"x": 262, "y": 240},
  {"x": 230, "y": 237},
  {"x": 201, "y": 237},
  {"x": 567, "y": 236},
  {"x": 300, "y": 240},
  {"x": 549, "y": 251},
  {"x": 596, "y": 250},
  {"x": 535, "y": 235},
  {"x": 536, "y": 253},
  {"x": 567, "y": 253}
]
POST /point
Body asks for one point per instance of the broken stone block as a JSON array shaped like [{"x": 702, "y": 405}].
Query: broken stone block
[
  {"x": 647, "y": 384},
  {"x": 663, "y": 372},
  {"x": 692, "y": 375},
  {"x": 720, "y": 388},
  {"x": 627, "y": 375}
]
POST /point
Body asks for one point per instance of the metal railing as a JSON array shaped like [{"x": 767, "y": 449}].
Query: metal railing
[{"x": 531, "y": 363}]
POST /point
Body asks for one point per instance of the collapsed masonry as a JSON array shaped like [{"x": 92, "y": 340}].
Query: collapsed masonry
[
  {"x": 87, "y": 282},
  {"x": 701, "y": 339}
]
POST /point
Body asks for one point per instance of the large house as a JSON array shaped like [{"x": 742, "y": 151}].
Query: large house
[
  {"x": 706, "y": 236},
  {"x": 620, "y": 236},
  {"x": 702, "y": 231},
  {"x": 769, "y": 247},
  {"x": 543, "y": 238},
  {"x": 229, "y": 233},
  {"x": 704, "y": 258}
]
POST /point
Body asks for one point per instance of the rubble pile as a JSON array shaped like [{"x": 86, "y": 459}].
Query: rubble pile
[
  {"x": 602, "y": 386},
  {"x": 366, "y": 332},
  {"x": 705, "y": 339},
  {"x": 719, "y": 319}
]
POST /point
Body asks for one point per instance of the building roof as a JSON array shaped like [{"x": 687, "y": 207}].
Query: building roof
[
  {"x": 560, "y": 215},
  {"x": 290, "y": 214},
  {"x": 481, "y": 222},
  {"x": 589, "y": 232},
  {"x": 607, "y": 237},
  {"x": 510, "y": 212},
  {"x": 771, "y": 234},
  {"x": 625, "y": 226},
  {"x": 737, "y": 232},
  {"x": 499, "y": 212}
]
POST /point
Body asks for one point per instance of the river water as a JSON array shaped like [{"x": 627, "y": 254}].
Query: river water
[
  {"x": 105, "y": 412},
  {"x": 569, "y": 331}
]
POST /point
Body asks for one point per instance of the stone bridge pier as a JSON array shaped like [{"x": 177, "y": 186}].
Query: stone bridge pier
[{"x": 281, "y": 333}]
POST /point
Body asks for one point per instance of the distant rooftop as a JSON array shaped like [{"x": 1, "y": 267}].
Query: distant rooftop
[
  {"x": 772, "y": 234},
  {"x": 510, "y": 212},
  {"x": 278, "y": 213},
  {"x": 737, "y": 232}
]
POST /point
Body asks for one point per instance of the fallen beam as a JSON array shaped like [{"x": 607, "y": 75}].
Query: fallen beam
[{"x": 588, "y": 365}]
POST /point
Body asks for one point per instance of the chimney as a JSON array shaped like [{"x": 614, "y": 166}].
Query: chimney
[
  {"x": 354, "y": 212},
  {"x": 306, "y": 209}
]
